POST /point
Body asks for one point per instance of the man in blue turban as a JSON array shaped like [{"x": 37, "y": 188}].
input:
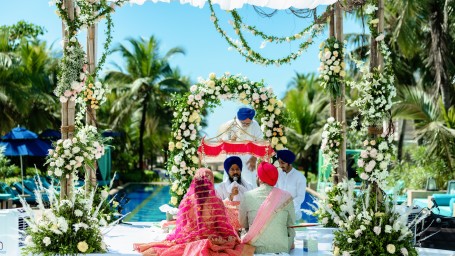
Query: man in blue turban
[
  {"x": 243, "y": 128},
  {"x": 291, "y": 180},
  {"x": 233, "y": 188}
]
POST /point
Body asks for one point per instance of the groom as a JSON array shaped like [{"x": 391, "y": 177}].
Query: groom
[{"x": 268, "y": 212}]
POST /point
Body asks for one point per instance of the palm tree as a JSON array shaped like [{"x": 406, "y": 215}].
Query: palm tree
[
  {"x": 143, "y": 89},
  {"x": 26, "y": 84},
  {"x": 308, "y": 105},
  {"x": 435, "y": 127},
  {"x": 423, "y": 38}
]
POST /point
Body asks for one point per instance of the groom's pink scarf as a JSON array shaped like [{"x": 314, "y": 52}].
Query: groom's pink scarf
[{"x": 276, "y": 200}]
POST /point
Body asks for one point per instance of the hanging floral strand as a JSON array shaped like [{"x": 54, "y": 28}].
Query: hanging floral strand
[{"x": 250, "y": 55}]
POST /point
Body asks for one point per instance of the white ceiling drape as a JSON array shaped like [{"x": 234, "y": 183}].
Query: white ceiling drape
[{"x": 235, "y": 4}]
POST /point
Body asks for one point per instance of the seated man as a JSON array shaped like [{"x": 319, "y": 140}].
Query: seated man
[
  {"x": 231, "y": 191},
  {"x": 202, "y": 227},
  {"x": 268, "y": 212}
]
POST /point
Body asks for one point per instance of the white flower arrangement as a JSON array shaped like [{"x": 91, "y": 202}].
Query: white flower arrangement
[
  {"x": 91, "y": 94},
  {"x": 375, "y": 159},
  {"x": 71, "y": 155},
  {"x": 70, "y": 226},
  {"x": 183, "y": 159},
  {"x": 331, "y": 143},
  {"x": 332, "y": 66},
  {"x": 366, "y": 227},
  {"x": 72, "y": 75},
  {"x": 376, "y": 92}
]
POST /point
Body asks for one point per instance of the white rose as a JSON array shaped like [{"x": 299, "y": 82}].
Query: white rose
[
  {"x": 82, "y": 246},
  {"x": 212, "y": 76},
  {"x": 78, "y": 213},
  {"x": 284, "y": 140},
  {"x": 171, "y": 146},
  {"x": 46, "y": 241},
  {"x": 391, "y": 248},
  {"x": 179, "y": 145},
  {"x": 174, "y": 200},
  {"x": 195, "y": 159}
]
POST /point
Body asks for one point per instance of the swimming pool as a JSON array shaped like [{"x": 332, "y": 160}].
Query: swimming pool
[{"x": 143, "y": 201}]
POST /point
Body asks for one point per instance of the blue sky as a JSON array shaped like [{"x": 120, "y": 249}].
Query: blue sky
[{"x": 190, "y": 27}]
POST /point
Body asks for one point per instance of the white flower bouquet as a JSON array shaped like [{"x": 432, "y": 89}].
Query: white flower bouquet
[
  {"x": 375, "y": 159},
  {"x": 368, "y": 227},
  {"x": 70, "y": 226},
  {"x": 332, "y": 66},
  {"x": 332, "y": 138},
  {"x": 70, "y": 155}
]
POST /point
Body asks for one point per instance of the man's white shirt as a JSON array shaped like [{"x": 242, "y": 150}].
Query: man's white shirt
[
  {"x": 293, "y": 182},
  {"x": 223, "y": 189}
]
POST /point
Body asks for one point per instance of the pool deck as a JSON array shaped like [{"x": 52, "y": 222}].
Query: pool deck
[{"x": 121, "y": 237}]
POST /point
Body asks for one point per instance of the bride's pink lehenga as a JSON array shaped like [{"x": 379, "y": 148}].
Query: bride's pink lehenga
[{"x": 202, "y": 226}]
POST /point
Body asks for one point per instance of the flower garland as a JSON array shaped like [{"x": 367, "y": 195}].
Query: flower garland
[
  {"x": 331, "y": 143},
  {"x": 376, "y": 88},
  {"x": 183, "y": 159},
  {"x": 87, "y": 13},
  {"x": 375, "y": 159},
  {"x": 332, "y": 66},
  {"x": 68, "y": 227},
  {"x": 245, "y": 50},
  {"x": 369, "y": 228},
  {"x": 71, "y": 155}
]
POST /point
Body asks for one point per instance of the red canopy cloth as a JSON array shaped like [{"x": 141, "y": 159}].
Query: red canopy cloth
[{"x": 256, "y": 148}]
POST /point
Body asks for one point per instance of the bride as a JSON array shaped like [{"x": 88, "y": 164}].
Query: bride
[{"x": 202, "y": 226}]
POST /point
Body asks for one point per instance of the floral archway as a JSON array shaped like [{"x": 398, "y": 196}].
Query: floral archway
[{"x": 206, "y": 94}]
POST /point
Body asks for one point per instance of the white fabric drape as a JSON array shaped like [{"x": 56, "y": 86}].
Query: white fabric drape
[{"x": 234, "y": 4}]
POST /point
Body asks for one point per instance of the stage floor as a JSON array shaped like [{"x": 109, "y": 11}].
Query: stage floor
[{"x": 121, "y": 237}]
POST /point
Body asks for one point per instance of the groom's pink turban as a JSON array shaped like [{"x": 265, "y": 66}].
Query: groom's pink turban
[{"x": 268, "y": 173}]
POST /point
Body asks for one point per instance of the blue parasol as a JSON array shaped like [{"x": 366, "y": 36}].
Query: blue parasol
[{"x": 22, "y": 142}]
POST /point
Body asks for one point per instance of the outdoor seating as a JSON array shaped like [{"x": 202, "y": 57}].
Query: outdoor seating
[{"x": 5, "y": 189}]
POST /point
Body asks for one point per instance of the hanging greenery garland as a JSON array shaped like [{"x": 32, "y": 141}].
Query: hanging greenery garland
[
  {"x": 86, "y": 14},
  {"x": 245, "y": 50}
]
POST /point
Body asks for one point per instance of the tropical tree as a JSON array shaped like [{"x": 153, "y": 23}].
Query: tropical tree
[
  {"x": 435, "y": 126},
  {"x": 27, "y": 77},
  {"x": 308, "y": 106},
  {"x": 142, "y": 88}
]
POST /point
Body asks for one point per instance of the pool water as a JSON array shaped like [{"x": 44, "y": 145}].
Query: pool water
[{"x": 143, "y": 202}]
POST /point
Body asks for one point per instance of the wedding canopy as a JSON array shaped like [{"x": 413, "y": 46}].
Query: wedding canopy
[{"x": 234, "y": 4}]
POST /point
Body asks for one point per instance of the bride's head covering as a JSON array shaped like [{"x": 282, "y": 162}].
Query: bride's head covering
[{"x": 202, "y": 214}]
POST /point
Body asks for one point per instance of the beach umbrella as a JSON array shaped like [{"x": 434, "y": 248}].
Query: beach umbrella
[
  {"x": 49, "y": 136},
  {"x": 22, "y": 142}
]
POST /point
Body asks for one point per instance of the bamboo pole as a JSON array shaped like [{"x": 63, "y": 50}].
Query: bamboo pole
[
  {"x": 380, "y": 30},
  {"x": 341, "y": 103},
  {"x": 333, "y": 112},
  {"x": 68, "y": 112},
  {"x": 90, "y": 117}
]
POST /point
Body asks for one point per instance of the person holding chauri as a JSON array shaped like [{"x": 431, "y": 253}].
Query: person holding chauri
[{"x": 243, "y": 128}]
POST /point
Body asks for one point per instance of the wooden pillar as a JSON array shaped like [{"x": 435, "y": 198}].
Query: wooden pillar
[
  {"x": 90, "y": 117},
  {"x": 333, "y": 112},
  {"x": 380, "y": 30},
  {"x": 68, "y": 111},
  {"x": 340, "y": 101}
]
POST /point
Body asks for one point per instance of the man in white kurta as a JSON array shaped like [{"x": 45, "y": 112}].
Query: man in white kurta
[
  {"x": 243, "y": 128},
  {"x": 291, "y": 180},
  {"x": 233, "y": 188}
]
